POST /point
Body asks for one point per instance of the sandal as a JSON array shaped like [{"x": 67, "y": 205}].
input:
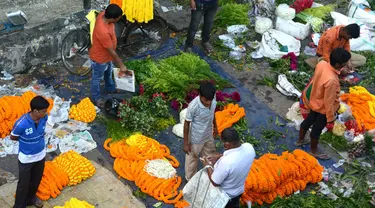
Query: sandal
[
  {"x": 207, "y": 47},
  {"x": 304, "y": 142},
  {"x": 321, "y": 156},
  {"x": 99, "y": 103}
]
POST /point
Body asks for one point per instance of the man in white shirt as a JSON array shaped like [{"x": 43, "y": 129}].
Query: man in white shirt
[{"x": 230, "y": 169}]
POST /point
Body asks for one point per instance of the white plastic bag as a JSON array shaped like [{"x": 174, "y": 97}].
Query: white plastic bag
[
  {"x": 270, "y": 44},
  {"x": 124, "y": 83},
  {"x": 227, "y": 41},
  {"x": 366, "y": 40},
  {"x": 286, "y": 88},
  {"x": 59, "y": 112},
  {"x": 355, "y": 11},
  {"x": 285, "y": 12},
  {"x": 200, "y": 193},
  {"x": 178, "y": 130},
  {"x": 183, "y": 116},
  {"x": 295, "y": 29},
  {"x": 237, "y": 30},
  {"x": 262, "y": 25}
]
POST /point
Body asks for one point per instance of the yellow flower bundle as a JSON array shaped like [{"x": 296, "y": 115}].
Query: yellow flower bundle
[
  {"x": 136, "y": 10},
  {"x": 130, "y": 160},
  {"x": 272, "y": 175},
  {"x": 84, "y": 111},
  {"x": 77, "y": 167},
  {"x": 362, "y": 104},
  {"x": 230, "y": 115},
  {"x": 75, "y": 203},
  {"x": 13, "y": 107},
  {"x": 53, "y": 181}
]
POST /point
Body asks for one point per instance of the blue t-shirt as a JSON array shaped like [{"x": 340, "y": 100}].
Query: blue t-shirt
[{"x": 30, "y": 135}]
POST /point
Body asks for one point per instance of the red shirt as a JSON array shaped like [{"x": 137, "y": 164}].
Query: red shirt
[{"x": 103, "y": 37}]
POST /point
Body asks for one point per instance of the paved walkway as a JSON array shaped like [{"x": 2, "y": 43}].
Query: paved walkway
[{"x": 103, "y": 190}]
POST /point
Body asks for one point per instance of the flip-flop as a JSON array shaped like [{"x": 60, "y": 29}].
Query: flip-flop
[
  {"x": 298, "y": 144},
  {"x": 321, "y": 156}
]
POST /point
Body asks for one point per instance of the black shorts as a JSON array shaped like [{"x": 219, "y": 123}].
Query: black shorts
[{"x": 317, "y": 121}]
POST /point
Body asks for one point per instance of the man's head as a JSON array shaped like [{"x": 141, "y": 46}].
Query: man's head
[
  {"x": 339, "y": 57},
  {"x": 39, "y": 106},
  {"x": 207, "y": 93},
  {"x": 230, "y": 138},
  {"x": 113, "y": 13},
  {"x": 350, "y": 31}
]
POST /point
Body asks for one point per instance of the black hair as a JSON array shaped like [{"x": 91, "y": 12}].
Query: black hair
[
  {"x": 113, "y": 11},
  {"x": 207, "y": 90},
  {"x": 353, "y": 30},
  {"x": 230, "y": 135},
  {"x": 39, "y": 103},
  {"x": 339, "y": 56}
]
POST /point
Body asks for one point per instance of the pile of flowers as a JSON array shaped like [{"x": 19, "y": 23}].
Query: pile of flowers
[
  {"x": 13, "y": 107},
  {"x": 84, "y": 111},
  {"x": 133, "y": 157},
  {"x": 136, "y": 10},
  {"x": 272, "y": 175},
  {"x": 75, "y": 203},
  {"x": 230, "y": 115}
]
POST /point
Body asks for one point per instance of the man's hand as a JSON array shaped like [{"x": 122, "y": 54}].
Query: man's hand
[
  {"x": 215, "y": 133},
  {"x": 187, "y": 148},
  {"x": 214, "y": 158},
  {"x": 193, "y": 6},
  {"x": 330, "y": 125},
  {"x": 124, "y": 72},
  {"x": 206, "y": 161}
]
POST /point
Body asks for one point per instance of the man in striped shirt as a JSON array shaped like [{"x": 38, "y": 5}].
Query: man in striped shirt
[{"x": 29, "y": 131}]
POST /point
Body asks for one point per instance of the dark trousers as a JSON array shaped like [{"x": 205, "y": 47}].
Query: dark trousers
[
  {"x": 30, "y": 175},
  {"x": 317, "y": 121},
  {"x": 208, "y": 11},
  {"x": 234, "y": 203}
]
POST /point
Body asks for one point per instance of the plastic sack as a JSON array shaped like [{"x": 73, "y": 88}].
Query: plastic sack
[
  {"x": 59, "y": 112},
  {"x": 357, "y": 10},
  {"x": 270, "y": 47},
  {"x": 178, "y": 130},
  {"x": 227, "y": 41},
  {"x": 262, "y": 25},
  {"x": 286, "y": 88},
  {"x": 338, "y": 129},
  {"x": 237, "y": 30},
  {"x": 199, "y": 192},
  {"x": 183, "y": 116},
  {"x": 295, "y": 29},
  {"x": 366, "y": 40},
  {"x": 285, "y": 12}
]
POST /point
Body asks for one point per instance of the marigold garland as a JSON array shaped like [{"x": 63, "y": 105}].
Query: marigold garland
[
  {"x": 136, "y": 10},
  {"x": 272, "y": 175},
  {"x": 53, "y": 181},
  {"x": 75, "y": 203},
  {"x": 230, "y": 115},
  {"x": 130, "y": 160},
  {"x": 362, "y": 104},
  {"x": 84, "y": 111},
  {"x": 13, "y": 107}
]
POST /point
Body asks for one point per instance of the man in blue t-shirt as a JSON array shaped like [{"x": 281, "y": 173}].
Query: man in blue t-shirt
[
  {"x": 199, "y": 9},
  {"x": 29, "y": 131}
]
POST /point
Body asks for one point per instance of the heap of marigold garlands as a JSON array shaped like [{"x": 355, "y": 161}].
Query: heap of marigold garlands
[
  {"x": 272, "y": 175},
  {"x": 84, "y": 111},
  {"x": 230, "y": 115},
  {"x": 136, "y": 10},
  {"x": 130, "y": 161},
  {"x": 75, "y": 203},
  {"x": 362, "y": 104},
  {"x": 13, "y": 107},
  {"x": 69, "y": 168}
]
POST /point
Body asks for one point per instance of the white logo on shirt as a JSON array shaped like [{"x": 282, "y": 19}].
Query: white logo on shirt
[{"x": 29, "y": 131}]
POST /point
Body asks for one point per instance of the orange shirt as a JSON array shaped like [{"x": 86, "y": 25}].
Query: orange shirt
[
  {"x": 329, "y": 41},
  {"x": 103, "y": 37},
  {"x": 322, "y": 95}
]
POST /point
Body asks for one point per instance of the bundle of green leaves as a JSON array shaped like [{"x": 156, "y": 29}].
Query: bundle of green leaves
[
  {"x": 145, "y": 115},
  {"x": 321, "y": 12},
  {"x": 180, "y": 74},
  {"x": 232, "y": 14},
  {"x": 143, "y": 69}
]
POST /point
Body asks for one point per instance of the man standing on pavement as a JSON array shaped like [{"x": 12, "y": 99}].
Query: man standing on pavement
[
  {"x": 200, "y": 128},
  {"x": 322, "y": 97},
  {"x": 230, "y": 170},
  {"x": 206, "y": 9},
  {"x": 338, "y": 37},
  {"x": 103, "y": 52},
  {"x": 29, "y": 131}
]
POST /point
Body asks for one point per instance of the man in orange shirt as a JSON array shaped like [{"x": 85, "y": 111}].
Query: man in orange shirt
[
  {"x": 338, "y": 37},
  {"x": 102, "y": 52},
  {"x": 322, "y": 98}
]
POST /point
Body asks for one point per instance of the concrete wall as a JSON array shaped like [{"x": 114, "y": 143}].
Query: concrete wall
[{"x": 49, "y": 21}]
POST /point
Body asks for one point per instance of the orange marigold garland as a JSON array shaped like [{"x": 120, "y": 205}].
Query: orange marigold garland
[
  {"x": 13, "y": 107},
  {"x": 230, "y": 115},
  {"x": 53, "y": 181},
  {"x": 272, "y": 175},
  {"x": 130, "y": 160}
]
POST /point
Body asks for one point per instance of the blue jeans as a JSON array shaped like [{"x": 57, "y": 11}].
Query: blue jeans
[{"x": 98, "y": 72}]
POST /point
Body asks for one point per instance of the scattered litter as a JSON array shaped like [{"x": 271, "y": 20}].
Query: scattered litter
[
  {"x": 80, "y": 142},
  {"x": 172, "y": 8},
  {"x": 228, "y": 41},
  {"x": 316, "y": 37},
  {"x": 262, "y": 25},
  {"x": 286, "y": 88},
  {"x": 253, "y": 44},
  {"x": 309, "y": 51},
  {"x": 198, "y": 35},
  {"x": 6, "y": 76},
  {"x": 236, "y": 55},
  {"x": 59, "y": 112},
  {"x": 237, "y": 30},
  {"x": 339, "y": 163}
]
